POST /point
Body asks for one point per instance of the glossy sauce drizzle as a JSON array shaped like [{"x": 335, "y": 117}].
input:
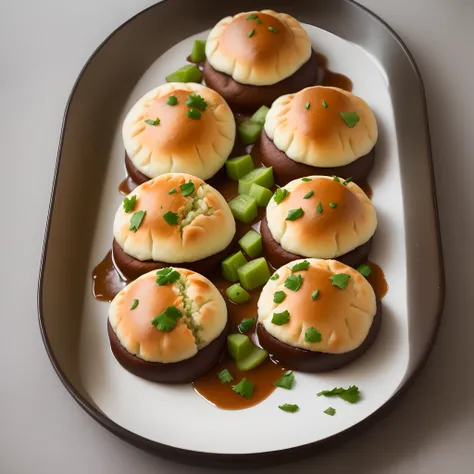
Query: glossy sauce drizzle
[{"x": 107, "y": 282}]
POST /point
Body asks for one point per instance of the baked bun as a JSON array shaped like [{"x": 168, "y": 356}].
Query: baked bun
[
  {"x": 176, "y": 227},
  {"x": 264, "y": 58},
  {"x": 179, "y": 143},
  {"x": 316, "y": 135},
  {"x": 342, "y": 317},
  {"x": 345, "y": 219},
  {"x": 176, "y": 352}
]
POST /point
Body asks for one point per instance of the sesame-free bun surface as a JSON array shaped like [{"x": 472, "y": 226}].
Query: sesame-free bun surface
[
  {"x": 318, "y": 136},
  {"x": 205, "y": 222},
  {"x": 266, "y": 57},
  {"x": 343, "y": 317},
  {"x": 179, "y": 143},
  {"x": 329, "y": 234},
  {"x": 204, "y": 317}
]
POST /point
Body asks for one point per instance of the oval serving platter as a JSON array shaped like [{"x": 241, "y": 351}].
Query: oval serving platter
[{"x": 136, "y": 58}]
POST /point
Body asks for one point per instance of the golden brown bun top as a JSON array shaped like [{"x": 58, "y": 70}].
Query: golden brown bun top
[
  {"x": 203, "y": 308},
  {"x": 324, "y": 232},
  {"x": 342, "y": 316},
  {"x": 313, "y": 134},
  {"x": 205, "y": 222},
  {"x": 264, "y": 58}
]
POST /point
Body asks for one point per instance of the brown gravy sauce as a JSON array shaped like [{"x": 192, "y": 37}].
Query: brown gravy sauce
[{"x": 107, "y": 282}]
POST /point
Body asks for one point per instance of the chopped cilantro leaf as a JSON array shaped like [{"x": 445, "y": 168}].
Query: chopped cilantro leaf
[
  {"x": 312, "y": 335},
  {"x": 288, "y": 407},
  {"x": 246, "y": 324},
  {"x": 244, "y": 388},
  {"x": 294, "y": 214},
  {"x": 364, "y": 270},
  {"x": 167, "y": 276},
  {"x": 134, "y": 304},
  {"x": 330, "y": 411},
  {"x": 286, "y": 380},
  {"x": 195, "y": 100},
  {"x": 341, "y": 280},
  {"x": 136, "y": 220},
  {"x": 129, "y": 203},
  {"x": 280, "y": 195},
  {"x": 304, "y": 265},
  {"x": 279, "y": 297},
  {"x": 187, "y": 188},
  {"x": 351, "y": 394},
  {"x": 166, "y": 321},
  {"x": 225, "y": 376},
  {"x": 293, "y": 282},
  {"x": 280, "y": 318},
  {"x": 171, "y": 218}
]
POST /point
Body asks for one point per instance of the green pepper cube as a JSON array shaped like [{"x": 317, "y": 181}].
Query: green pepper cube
[
  {"x": 249, "y": 131},
  {"x": 251, "y": 243},
  {"x": 254, "y": 273},
  {"x": 231, "y": 264},
  {"x": 239, "y": 166},
  {"x": 260, "y": 115},
  {"x": 237, "y": 294},
  {"x": 188, "y": 73},
  {"x": 244, "y": 208},
  {"x": 253, "y": 359},
  {"x": 262, "y": 195},
  {"x": 239, "y": 346},
  {"x": 260, "y": 176},
  {"x": 198, "y": 53}
]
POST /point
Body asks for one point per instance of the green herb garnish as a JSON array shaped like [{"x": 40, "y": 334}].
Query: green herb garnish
[
  {"x": 333, "y": 205},
  {"x": 312, "y": 335},
  {"x": 134, "y": 304},
  {"x": 286, "y": 380},
  {"x": 350, "y": 118},
  {"x": 307, "y": 105},
  {"x": 193, "y": 114},
  {"x": 279, "y": 297},
  {"x": 364, "y": 270},
  {"x": 347, "y": 181},
  {"x": 250, "y": 33},
  {"x": 351, "y": 394},
  {"x": 294, "y": 214},
  {"x": 259, "y": 22},
  {"x": 246, "y": 324},
  {"x": 308, "y": 194},
  {"x": 272, "y": 30},
  {"x": 288, "y": 407},
  {"x": 319, "y": 208},
  {"x": 129, "y": 203},
  {"x": 324, "y": 104},
  {"x": 335, "y": 178},
  {"x": 252, "y": 16},
  {"x": 275, "y": 277},
  {"x": 172, "y": 191},
  {"x": 197, "y": 101},
  {"x": 304, "y": 265},
  {"x": 280, "y": 318},
  {"x": 166, "y": 321},
  {"x": 225, "y": 376},
  {"x": 314, "y": 295},
  {"x": 153, "y": 122},
  {"x": 330, "y": 411},
  {"x": 306, "y": 180},
  {"x": 244, "y": 388},
  {"x": 280, "y": 194},
  {"x": 167, "y": 276},
  {"x": 187, "y": 188},
  {"x": 341, "y": 280},
  {"x": 136, "y": 220},
  {"x": 293, "y": 282},
  {"x": 171, "y": 218},
  {"x": 172, "y": 100}
]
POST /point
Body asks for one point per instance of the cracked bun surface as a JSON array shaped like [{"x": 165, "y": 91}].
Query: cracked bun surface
[
  {"x": 277, "y": 47},
  {"x": 343, "y": 317},
  {"x": 335, "y": 218},
  {"x": 176, "y": 227},
  {"x": 179, "y": 143},
  {"x": 203, "y": 317},
  {"x": 314, "y": 134}
]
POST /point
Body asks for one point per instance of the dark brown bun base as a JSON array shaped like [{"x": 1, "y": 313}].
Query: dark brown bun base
[
  {"x": 285, "y": 169},
  {"x": 132, "y": 268},
  {"x": 185, "y": 371},
  {"x": 278, "y": 256},
  {"x": 247, "y": 98},
  {"x": 310, "y": 361},
  {"x": 137, "y": 177}
]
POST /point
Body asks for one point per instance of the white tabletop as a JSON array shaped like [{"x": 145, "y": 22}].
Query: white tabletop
[{"x": 43, "y": 46}]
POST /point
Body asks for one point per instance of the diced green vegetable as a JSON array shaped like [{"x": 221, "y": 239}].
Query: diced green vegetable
[
  {"x": 188, "y": 73},
  {"x": 260, "y": 176},
  {"x": 237, "y": 294},
  {"x": 244, "y": 208},
  {"x": 239, "y": 166},
  {"x": 254, "y": 273},
  {"x": 262, "y": 195},
  {"x": 239, "y": 346},
  {"x": 231, "y": 264},
  {"x": 260, "y": 115},
  {"x": 255, "y": 357},
  {"x": 198, "y": 53},
  {"x": 251, "y": 243},
  {"x": 249, "y": 131}
]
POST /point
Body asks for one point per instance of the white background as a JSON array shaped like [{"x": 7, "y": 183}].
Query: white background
[{"x": 43, "y": 46}]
